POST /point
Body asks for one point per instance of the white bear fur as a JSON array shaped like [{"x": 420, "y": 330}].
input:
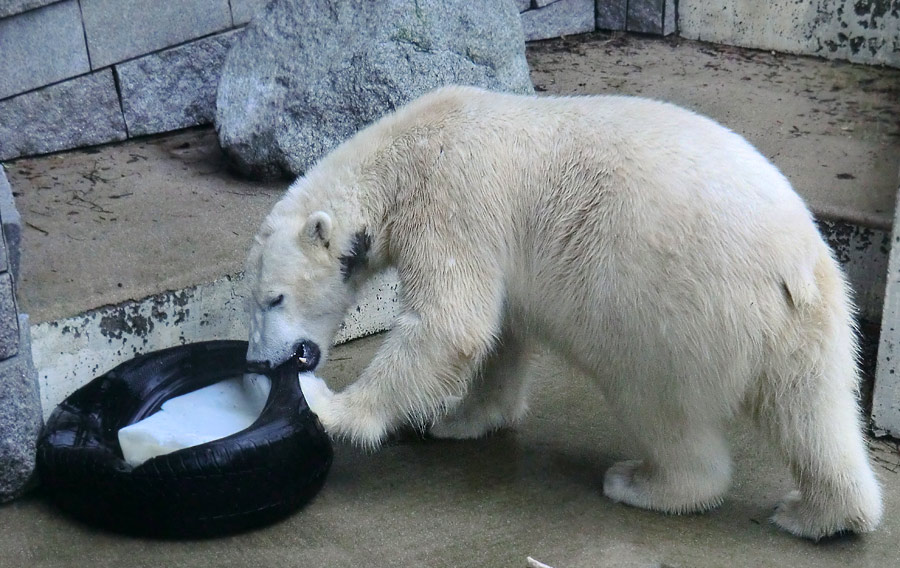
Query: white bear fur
[{"x": 650, "y": 246}]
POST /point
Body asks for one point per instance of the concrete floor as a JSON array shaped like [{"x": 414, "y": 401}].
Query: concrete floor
[
  {"x": 128, "y": 220},
  {"x": 492, "y": 502}
]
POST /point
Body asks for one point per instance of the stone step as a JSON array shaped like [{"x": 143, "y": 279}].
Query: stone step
[{"x": 139, "y": 245}]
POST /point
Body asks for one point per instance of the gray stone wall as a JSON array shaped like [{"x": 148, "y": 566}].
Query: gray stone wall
[
  {"x": 20, "y": 403},
  {"x": 82, "y": 72}
]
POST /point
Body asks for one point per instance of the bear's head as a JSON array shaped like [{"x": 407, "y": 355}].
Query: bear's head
[{"x": 303, "y": 273}]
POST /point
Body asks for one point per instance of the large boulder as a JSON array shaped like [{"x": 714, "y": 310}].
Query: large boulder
[{"x": 307, "y": 74}]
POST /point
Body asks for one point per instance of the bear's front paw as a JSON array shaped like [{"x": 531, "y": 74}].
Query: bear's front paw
[
  {"x": 317, "y": 394},
  {"x": 344, "y": 415}
]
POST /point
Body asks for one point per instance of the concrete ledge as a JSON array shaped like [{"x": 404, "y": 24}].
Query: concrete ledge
[
  {"x": 863, "y": 254},
  {"x": 886, "y": 394},
  {"x": 131, "y": 220}
]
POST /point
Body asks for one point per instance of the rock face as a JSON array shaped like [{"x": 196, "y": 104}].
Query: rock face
[
  {"x": 20, "y": 402},
  {"x": 307, "y": 74},
  {"x": 20, "y": 418}
]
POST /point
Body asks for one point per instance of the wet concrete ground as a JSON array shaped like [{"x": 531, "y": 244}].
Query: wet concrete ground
[{"x": 492, "y": 502}]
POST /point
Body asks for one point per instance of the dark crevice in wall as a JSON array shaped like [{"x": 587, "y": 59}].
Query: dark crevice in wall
[
  {"x": 115, "y": 74},
  {"x": 87, "y": 48},
  {"x": 662, "y": 22},
  {"x": 676, "y": 20}
]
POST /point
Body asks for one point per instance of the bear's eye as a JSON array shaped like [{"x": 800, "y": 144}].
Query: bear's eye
[{"x": 275, "y": 302}]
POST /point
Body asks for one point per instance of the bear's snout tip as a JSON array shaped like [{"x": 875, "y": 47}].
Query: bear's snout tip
[{"x": 307, "y": 354}]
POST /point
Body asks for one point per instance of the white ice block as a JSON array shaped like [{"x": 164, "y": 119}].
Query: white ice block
[{"x": 195, "y": 418}]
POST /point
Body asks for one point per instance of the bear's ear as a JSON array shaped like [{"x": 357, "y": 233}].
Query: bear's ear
[{"x": 318, "y": 229}]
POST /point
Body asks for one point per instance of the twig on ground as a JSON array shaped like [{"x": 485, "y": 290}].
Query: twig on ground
[{"x": 36, "y": 228}]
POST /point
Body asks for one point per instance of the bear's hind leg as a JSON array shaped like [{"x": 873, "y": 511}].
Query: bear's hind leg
[
  {"x": 815, "y": 423},
  {"x": 497, "y": 396},
  {"x": 687, "y": 468}
]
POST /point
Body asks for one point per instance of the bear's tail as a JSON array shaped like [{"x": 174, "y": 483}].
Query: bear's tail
[{"x": 805, "y": 282}]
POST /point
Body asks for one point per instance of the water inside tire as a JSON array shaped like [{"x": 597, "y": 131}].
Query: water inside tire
[{"x": 210, "y": 413}]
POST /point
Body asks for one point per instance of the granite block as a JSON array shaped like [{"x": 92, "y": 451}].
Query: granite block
[
  {"x": 12, "y": 7},
  {"x": 20, "y": 418},
  {"x": 121, "y": 29},
  {"x": 651, "y": 16},
  {"x": 560, "y": 18},
  {"x": 611, "y": 14},
  {"x": 41, "y": 47},
  {"x": 9, "y": 322},
  {"x": 78, "y": 112},
  {"x": 174, "y": 88}
]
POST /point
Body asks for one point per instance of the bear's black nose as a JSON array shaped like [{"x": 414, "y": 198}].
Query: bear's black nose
[{"x": 308, "y": 354}]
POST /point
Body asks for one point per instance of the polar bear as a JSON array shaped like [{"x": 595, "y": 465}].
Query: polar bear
[{"x": 650, "y": 246}]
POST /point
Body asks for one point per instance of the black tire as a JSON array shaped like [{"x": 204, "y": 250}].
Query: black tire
[{"x": 245, "y": 480}]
